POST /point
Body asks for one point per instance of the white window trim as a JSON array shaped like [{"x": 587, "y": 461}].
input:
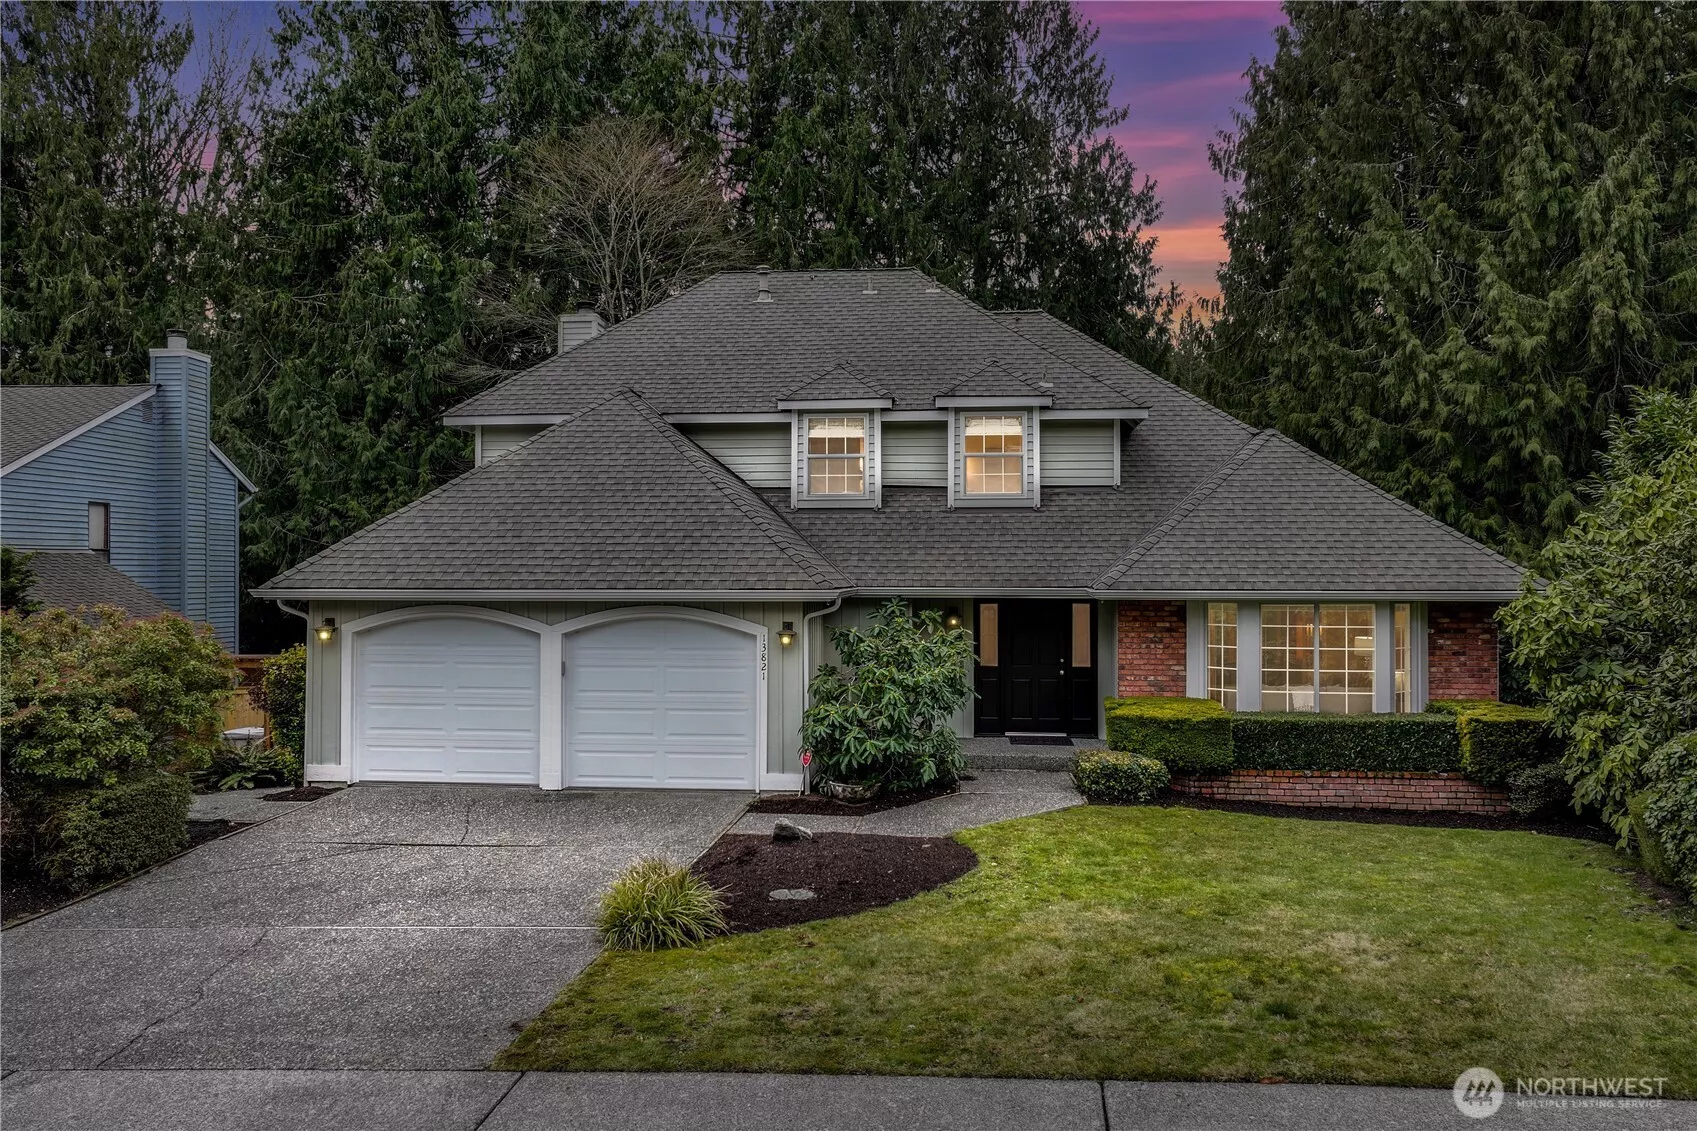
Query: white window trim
[
  {"x": 873, "y": 496},
  {"x": 1249, "y": 657},
  {"x": 1031, "y": 496}
]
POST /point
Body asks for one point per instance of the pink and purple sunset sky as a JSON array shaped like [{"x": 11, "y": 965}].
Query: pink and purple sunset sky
[{"x": 1178, "y": 66}]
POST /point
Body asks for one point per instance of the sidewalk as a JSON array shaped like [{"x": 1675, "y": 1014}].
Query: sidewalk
[{"x": 538, "y": 1101}]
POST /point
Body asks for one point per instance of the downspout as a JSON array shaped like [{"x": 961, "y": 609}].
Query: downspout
[{"x": 807, "y": 669}]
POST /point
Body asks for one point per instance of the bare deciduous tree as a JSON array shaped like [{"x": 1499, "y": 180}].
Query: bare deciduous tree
[{"x": 621, "y": 218}]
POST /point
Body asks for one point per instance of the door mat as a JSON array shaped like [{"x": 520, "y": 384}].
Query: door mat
[{"x": 1039, "y": 740}]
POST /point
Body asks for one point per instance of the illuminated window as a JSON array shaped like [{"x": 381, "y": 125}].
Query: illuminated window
[
  {"x": 1399, "y": 648},
  {"x": 1081, "y": 650},
  {"x": 1222, "y": 654},
  {"x": 988, "y": 642},
  {"x": 836, "y": 455},
  {"x": 994, "y": 450},
  {"x": 1317, "y": 658}
]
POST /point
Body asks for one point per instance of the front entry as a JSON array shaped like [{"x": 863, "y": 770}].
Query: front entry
[{"x": 1036, "y": 667}]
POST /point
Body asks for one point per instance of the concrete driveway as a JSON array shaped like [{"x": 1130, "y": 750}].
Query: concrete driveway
[{"x": 395, "y": 927}]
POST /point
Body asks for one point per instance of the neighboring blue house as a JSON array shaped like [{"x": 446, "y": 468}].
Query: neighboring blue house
[{"x": 121, "y": 494}]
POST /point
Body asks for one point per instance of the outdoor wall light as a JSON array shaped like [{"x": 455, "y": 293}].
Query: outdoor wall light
[
  {"x": 326, "y": 631},
  {"x": 786, "y": 634},
  {"x": 952, "y": 618}
]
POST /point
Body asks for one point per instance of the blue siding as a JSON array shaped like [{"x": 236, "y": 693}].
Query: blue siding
[
  {"x": 223, "y": 553},
  {"x": 173, "y": 504},
  {"x": 44, "y": 504}
]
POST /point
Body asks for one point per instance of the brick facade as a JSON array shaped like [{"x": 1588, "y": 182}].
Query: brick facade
[
  {"x": 1150, "y": 638},
  {"x": 1461, "y": 651},
  {"x": 1348, "y": 789}
]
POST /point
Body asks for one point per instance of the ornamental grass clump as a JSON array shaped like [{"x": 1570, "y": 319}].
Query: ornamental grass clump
[{"x": 656, "y": 905}]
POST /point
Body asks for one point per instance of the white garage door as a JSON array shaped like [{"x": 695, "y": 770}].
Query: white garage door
[
  {"x": 446, "y": 699},
  {"x": 660, "y": 702}
]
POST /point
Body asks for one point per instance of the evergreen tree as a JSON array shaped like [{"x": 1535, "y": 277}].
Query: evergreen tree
[
  {"x": 363, "y": 235},
  {"x": 1462, "y": 233},
  {"x": 115, "y": 168},
  {"x": 969, "y": 140}
]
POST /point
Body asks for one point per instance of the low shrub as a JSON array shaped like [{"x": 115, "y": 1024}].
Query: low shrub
[
  {"x": 1118, "y": 777},
  {"x": 1458, "y": 706},
  {"x": 1191, "y": 736},
  {"x": 1669, "y": 813},
  {"x": 1400, "y": 743},
  {"x": 1651, "y": 853},
  {"x": 1500, "y": 739},
  {"x": 104, "y": 833},
  {"x": 1535, "y": 789},
  {"x": 248, "y": 767},
  {"x": 655, "y": 905}
]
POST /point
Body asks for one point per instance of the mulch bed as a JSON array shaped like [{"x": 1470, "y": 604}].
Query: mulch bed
[
  {"x": 21, "y": 897},
  {"x": 812, "y": 804},
  {"x": 303, "y": 793},
  {"x": 847, "y": 872},
  {"x": 1440, "y": 819}
]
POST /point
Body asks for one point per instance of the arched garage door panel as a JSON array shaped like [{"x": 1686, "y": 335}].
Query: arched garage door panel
[
  {"x": 660, "y": 702},
  {"x": 448, "y": 699}
]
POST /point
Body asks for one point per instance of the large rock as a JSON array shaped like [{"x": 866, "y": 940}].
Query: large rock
[{"x": 789, "y": 830}]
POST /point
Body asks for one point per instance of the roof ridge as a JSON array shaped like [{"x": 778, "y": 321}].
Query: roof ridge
[
  {"x": 1143, "y": 369},
  {"x": 781, "y": 534},
  {"x": 1182, "y": 510},
  {"x": 1403, "y": 503},
  {"x": 372, "y": 526}
]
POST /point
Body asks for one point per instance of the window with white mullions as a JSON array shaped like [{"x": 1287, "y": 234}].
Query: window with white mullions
[
  {"x": 1222, "y": 653},
  {"x": 1317, "y": 658},
  {"x": 993, "y": 448},
  {"x": 836, "y": 456},
  {"x": 1401, "y": 617}
]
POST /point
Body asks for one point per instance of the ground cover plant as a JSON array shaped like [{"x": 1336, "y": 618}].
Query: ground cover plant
[{"x": 1177, "y": 943}]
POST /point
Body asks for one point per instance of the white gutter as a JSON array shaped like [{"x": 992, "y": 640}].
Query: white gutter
[{"x": 807, "y": 669}]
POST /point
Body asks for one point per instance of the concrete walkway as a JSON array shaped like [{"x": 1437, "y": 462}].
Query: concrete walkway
[
  {"x": 992, "y": 795},
  {"x": 534, "y": 1101}
]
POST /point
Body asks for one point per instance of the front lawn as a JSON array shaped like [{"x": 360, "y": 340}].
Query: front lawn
[{"x": 1152, "y": 943}]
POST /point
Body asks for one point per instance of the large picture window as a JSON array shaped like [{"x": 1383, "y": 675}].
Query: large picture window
[
  {"x": 836, "y": 456},
  {"x": 1317, "y": 658},
  {"x": 993, "y": 448},
  {"x": 1222, "y": 654}
]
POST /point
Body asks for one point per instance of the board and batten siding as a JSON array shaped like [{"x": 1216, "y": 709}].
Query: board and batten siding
[
  {"x": 46, "y": 500},
  {"x": 758, "y": 453},
  {"x": 497, "y": 440},
  {"x": 1079, "y": 453},
  {"x": 785, "y": 685},
  {"x": 916, "y": 454}
]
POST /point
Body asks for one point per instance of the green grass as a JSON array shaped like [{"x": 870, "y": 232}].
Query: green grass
[{"x": 1151, "y": 943}]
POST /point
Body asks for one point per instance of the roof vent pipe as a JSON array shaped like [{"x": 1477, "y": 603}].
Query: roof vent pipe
[
  {"x": 764, "y": 274},
  {"x": 576, "y": 329},
  {"x": 867, "y": 275}
]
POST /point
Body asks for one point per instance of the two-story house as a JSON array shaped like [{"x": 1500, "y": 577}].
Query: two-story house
[
  {"x": 121, "y": 494},
  {"x": 633, "y": 585}
]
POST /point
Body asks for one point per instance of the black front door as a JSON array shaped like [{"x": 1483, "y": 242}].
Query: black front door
[{"x": 1038, "y": 673}]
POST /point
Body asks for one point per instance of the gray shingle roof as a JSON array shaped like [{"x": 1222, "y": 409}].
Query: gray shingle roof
[
  {"x": 612, "y": 499},
  {"x": 1279, "y": 519},
  {"x": 33, "y": 416},
  {"x": 840, "y": 382},
  {"x": 74, "y": 579},
  {"x": 994, "y": 381},
  {"x": 615, "y": 498},
  {"x": 713, "y": 348}
]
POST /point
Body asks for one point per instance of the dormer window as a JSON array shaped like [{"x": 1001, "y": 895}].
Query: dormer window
[
  {"x": 993, "y": 454},
  {"x": 836, "y": 456}
]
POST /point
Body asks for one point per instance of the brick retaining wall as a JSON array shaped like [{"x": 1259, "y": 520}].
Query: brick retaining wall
[{"x": 1348, "y": 789}]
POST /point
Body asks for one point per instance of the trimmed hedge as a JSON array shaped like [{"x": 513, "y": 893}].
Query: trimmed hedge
[
  {"x": 1498, "y": 740},
  {"x": 1398, "y": 743},
  {"x": 1119, "y": 778},
  {"x": 1669, "y": 813},
  {"x": 108, "y": 832},
  {"x": 1651, "y": 852},
  {"x": 1458, "y": 706},
  {"x": 1537, "y": 788},
  {"x": 1190, "y": 736}
]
